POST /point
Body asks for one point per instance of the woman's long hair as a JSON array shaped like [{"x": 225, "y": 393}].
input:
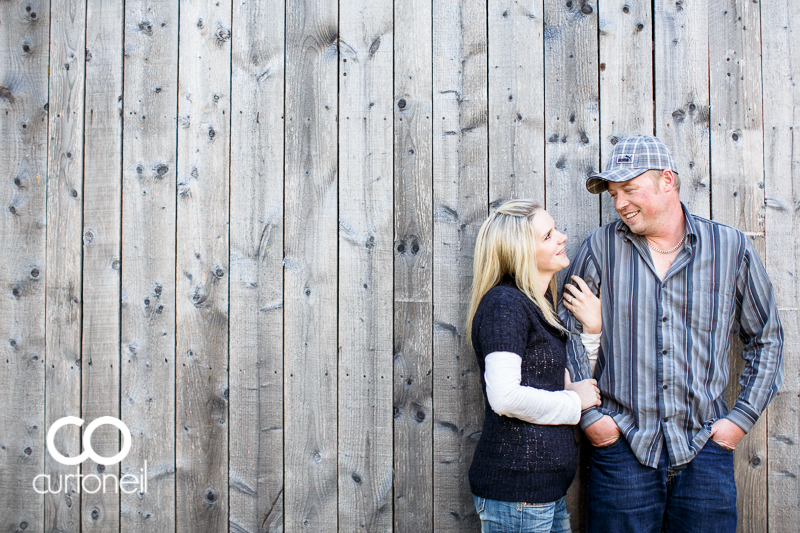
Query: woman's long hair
[{"x": 506, "y": 244}]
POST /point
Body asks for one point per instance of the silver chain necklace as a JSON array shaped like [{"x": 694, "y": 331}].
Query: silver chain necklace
[{"x": 671, "y": 249}]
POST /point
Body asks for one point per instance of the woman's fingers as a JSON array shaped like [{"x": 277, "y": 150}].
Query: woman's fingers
[
  {"x": 571, "y": 293},
  {"x": 582, "y": 284}
]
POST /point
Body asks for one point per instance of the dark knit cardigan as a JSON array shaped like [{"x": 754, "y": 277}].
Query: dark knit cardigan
[{"x": 516, "y": 461}]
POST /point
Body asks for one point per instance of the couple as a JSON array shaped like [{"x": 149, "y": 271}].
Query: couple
[{"x": 673, "y": 288}]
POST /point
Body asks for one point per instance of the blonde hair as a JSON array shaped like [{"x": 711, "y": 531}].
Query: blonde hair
[{"x": 506, "y": 244}]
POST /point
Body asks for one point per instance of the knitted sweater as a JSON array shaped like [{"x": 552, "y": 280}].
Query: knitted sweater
[{"x": 517, "y": 461}]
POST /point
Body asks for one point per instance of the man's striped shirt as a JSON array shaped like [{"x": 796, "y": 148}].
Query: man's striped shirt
[{"x": 665, "y": 351}]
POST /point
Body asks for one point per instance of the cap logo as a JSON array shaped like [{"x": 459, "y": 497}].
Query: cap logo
[{"x": 625, "y": 159}]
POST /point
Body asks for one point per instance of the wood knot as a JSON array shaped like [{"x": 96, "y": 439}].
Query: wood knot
[
  {"x": 146, "y": 27},
  {"x": 401, "y": 103}
]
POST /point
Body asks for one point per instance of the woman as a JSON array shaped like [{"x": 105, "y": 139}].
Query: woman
[{"x": 527, "y": 456}]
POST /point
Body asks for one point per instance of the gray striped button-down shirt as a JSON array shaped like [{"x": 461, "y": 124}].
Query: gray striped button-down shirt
[{"x": 665, "y": 351}]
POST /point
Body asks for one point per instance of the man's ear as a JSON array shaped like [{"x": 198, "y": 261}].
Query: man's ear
[{"x": 667, "y": 181}]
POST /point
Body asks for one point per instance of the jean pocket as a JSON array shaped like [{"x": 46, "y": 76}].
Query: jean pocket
[
  {"x": 720, "y": 446},
  {"x": 480, "y": 503},
  {"x": 609, "y": 446}
]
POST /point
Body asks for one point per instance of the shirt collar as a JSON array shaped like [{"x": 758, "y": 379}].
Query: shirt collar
[{"x": 625, "y": 232}]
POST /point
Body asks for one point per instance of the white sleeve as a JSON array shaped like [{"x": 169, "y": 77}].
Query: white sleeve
[
  {"x": 591, "y": 343},
  {"x": 508, "y": 398}
]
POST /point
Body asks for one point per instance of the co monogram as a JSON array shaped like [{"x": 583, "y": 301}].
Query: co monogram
[{"x": 88, "y": 452}]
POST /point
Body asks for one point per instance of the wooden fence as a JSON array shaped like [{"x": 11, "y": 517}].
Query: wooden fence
[{"x": 245, "y": 229}]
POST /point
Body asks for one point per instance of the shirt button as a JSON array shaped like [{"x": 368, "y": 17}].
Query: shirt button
[
  {"x": 666, "y": 420},
  {"x": 666, "y": 387},
  {"x": 664, "y": 319},
  {"x": 664, "y": 352}
]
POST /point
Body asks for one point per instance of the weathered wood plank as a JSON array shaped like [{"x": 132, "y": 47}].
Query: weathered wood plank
[
  {"x": 310, "y": 280},
  {"x": 573, "y": 139},
  {"x": 64, "y": 243},
  {"x": 516, "y": 106},
  {"x": 365, "y": 266},
  {"x": 682, "y": 98},
  {"x": 102, "y": 221},
  {"x": 202, "y": 265},
  {"x": 780, "y": 29},
  {"x": 626, "y": 79},
  {"x": 149, "y": 162},
  {"x": 24, "y": 54},
  {"x": 571, "y": 117},
  {"x": 413, "y": 261},
  {"x": 460, "y": 139},
  {"x": 738, "y": 197},
  {"x": 256, "y": 324}
]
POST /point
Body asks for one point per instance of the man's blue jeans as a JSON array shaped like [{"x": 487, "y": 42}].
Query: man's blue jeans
[
  {"x": 624, "y": 496},
  {"x": 504, "y": 517}
]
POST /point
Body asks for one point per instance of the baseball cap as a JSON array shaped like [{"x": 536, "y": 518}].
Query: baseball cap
[{"x": 631, "y": 157}]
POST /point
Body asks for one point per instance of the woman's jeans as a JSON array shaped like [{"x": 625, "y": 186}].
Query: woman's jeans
[
  {"x": 624, "y": 496},
  {"x": 503, "y": 517}
]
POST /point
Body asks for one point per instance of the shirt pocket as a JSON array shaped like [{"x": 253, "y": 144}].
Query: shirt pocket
[{"x": 710, "y": 307}]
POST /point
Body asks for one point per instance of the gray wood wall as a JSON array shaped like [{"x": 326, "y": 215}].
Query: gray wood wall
[{"x": 245, "y": 228}]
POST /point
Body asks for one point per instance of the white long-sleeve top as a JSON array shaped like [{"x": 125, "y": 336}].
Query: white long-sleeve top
[{"x": 507, "y": 397}]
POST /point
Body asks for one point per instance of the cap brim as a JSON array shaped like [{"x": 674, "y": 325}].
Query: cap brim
[{"x": 598, "y": 182}]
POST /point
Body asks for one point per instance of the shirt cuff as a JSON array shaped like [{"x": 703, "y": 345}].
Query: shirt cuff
[
  {"x": 743, "y": 415},
  {"x": 589, "y": 417}
]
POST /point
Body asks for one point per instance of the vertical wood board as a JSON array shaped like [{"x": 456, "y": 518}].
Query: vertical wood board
[
  {"x": 64, "y": 282},
  {"x": 737, "y": 198},
  {"x": 149, "y": 163},
  {"x": 256, "y": 256},
  {"x": 102, "y": 221},
  {"x": 626, "y": 79},
  {"x": 572, "y": 133},
  {"x": 202, "y": 266},
  {"x": 413, "y": 262},
  {"x": 780, "y": 29},
  {"x": 460, "y": 205},
  {"x": 310, "y": 266},
  {"x": 365, "y": 266},
  {"x": 516, "y": 105},
  {"x": 24, "y": 55},
  {"x": 682, "y": 97},
  {"x": 572, "y": 121}
]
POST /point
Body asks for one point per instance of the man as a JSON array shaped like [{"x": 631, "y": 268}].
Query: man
[{"x": 675, "y": 288}]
